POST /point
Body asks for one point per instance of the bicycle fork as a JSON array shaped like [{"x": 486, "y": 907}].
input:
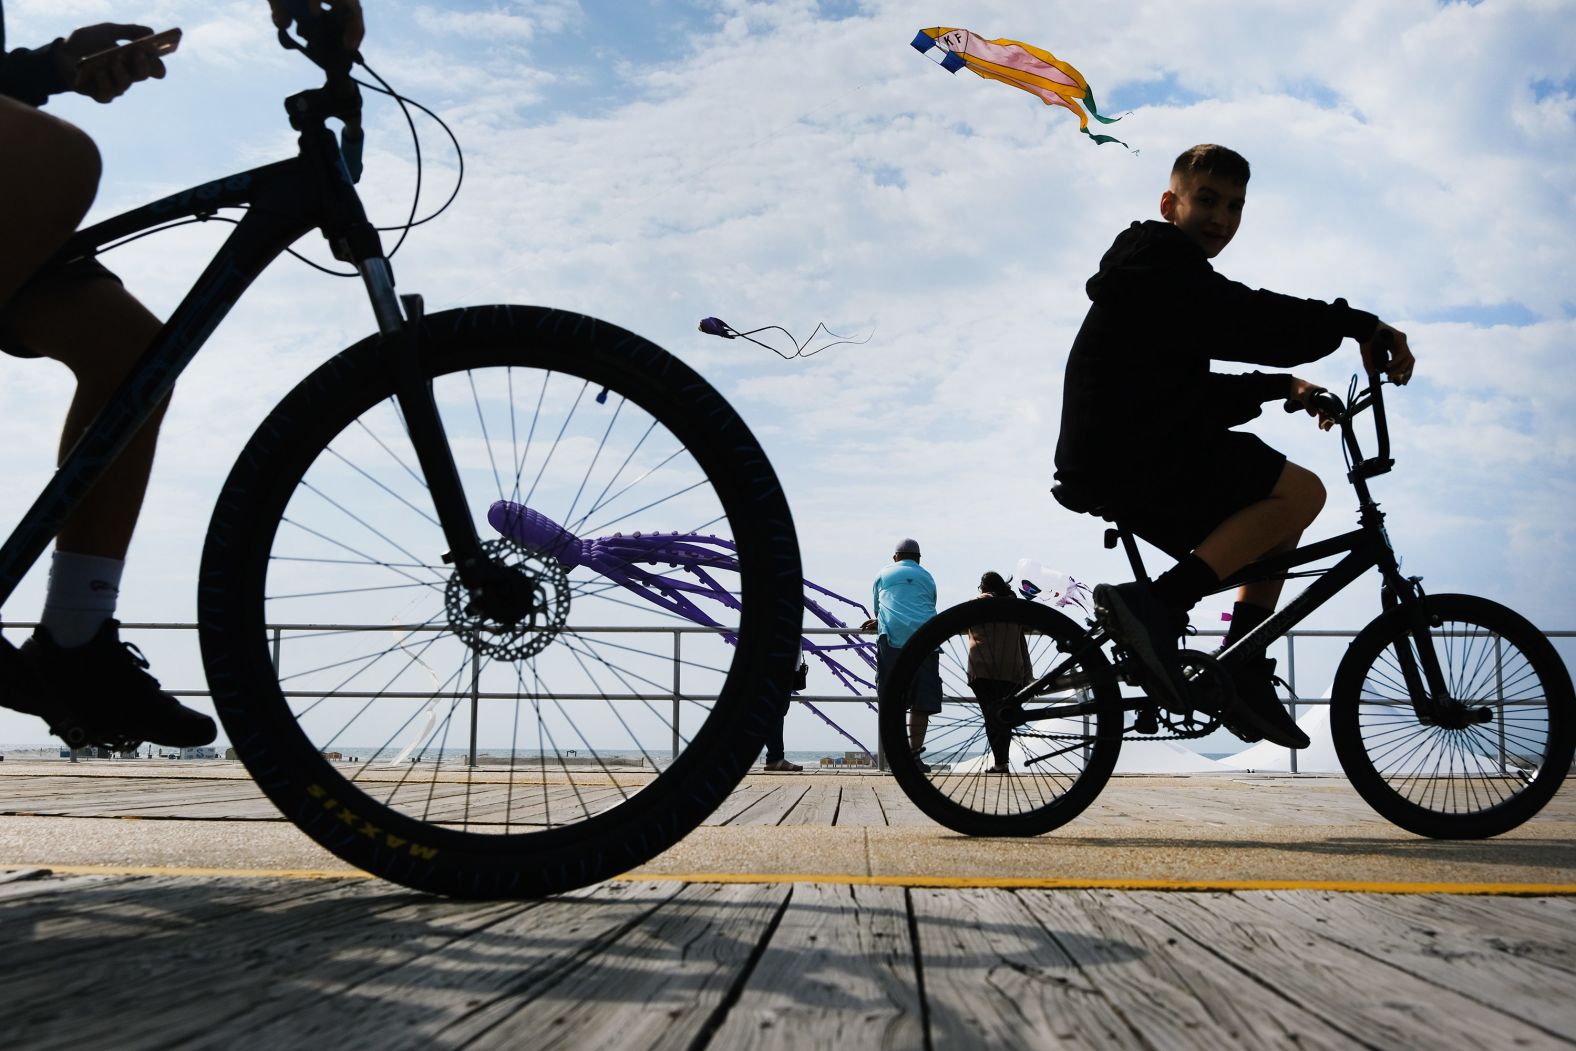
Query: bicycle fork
[{"x": 399, "y": 323}]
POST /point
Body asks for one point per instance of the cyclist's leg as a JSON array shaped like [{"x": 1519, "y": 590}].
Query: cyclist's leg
[
  {"x": 1272, "y": 524},
  {"x": 43, "y": 199},
  {"x": 84, "y": 681},
  {"x": 98, "y": 330}
]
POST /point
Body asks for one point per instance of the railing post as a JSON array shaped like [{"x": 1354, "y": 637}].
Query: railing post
[
  {"x": 678, "y": 665},
  {"x": 476, "y": 697},
  {"x": 1499, "y": 695},
  {"x": 1291, "y": 684},
  {"x": 278, "y": 632}
]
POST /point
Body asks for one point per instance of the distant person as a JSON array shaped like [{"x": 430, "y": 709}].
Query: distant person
[
  {"x": 904, "y": 597},
  {"x": 776, "y": 758},
  {"x": 998, "y": 667}
]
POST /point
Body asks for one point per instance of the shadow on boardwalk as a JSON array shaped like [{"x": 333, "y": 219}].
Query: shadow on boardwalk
[{"x": 180, "y": 962}]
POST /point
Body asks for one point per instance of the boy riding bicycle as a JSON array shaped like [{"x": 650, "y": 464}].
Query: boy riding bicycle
[
  {"x": 80, "y": 315},
  {"x": 1146, "y": 432}
]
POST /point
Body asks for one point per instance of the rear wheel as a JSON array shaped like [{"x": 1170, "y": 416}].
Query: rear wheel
[
  {"x": 982, "y": 771},
  {"x": 562, "y": 725},
  {"x": 1497, "y": 752}
]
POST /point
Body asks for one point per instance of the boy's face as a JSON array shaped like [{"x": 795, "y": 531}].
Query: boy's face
[{"x": 1206, "y": 207}]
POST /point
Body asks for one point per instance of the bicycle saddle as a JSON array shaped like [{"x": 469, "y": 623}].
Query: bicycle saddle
[{"x": 1079, "y": 500}]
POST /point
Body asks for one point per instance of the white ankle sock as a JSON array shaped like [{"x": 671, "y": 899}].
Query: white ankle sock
[{"x": 81, "y": 596}]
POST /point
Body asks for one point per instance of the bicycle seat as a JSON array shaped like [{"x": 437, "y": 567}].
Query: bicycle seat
[{"x": 1080, "y": 500}]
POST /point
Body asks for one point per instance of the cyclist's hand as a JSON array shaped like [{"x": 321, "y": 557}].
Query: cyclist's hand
[
  {"x": 1401, "y": 361},
  {"x": 109, "y": 80},
  {"x": 869, "y": 625},
  {"x": 1302, "y": 392},
  {"x": 355, "y": 27}
]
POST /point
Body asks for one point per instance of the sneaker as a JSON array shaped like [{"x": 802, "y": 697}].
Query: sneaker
[
  {"x": 924, "y": 767},
  {"x": 783, "y": 766},
  {"x": 102, "y": 692},
  {"x": 1149, "y": 630},
  {"x": 1259, "y": 709}
]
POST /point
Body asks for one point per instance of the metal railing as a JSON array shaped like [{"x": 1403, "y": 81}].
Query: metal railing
[{"x": 279, "y": 633}]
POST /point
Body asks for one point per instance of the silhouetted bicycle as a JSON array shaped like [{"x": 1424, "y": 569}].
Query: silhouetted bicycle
[
  {"x": 359, "y": 501},
  {"x": 1451, "y": 714}
]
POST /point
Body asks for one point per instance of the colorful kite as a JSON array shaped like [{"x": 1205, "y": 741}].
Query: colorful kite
[
  {"x": 715, "y": 326},
  {"x": 1033, "y": 69}
]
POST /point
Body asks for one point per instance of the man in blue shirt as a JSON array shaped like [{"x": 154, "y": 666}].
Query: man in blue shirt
[{"x": 904, "y": 597}]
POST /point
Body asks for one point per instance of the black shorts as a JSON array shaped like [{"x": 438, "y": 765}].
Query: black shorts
[
  {"x": 78, "y": 271},
  {"x": 1175, "y": 501}
]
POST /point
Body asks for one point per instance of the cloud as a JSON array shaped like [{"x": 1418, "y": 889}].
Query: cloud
[{"x": 767, "y": 164}]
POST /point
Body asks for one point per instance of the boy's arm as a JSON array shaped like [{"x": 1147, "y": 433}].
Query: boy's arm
[
  {"x": 1226, "y": 399},
  {"x": 1239, "y": 323}
]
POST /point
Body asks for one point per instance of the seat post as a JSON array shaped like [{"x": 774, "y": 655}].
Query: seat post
[{"x": 1118, "y": 531}]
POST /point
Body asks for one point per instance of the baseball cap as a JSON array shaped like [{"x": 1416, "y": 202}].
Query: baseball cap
[{"x": 906, "y": 546}]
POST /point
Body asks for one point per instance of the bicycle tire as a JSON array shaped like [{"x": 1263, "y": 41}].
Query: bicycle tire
[
  {"x": 1467, "y": 782},
  {"x": 364, "y": 810},
  {"x": 1042, "y": 790}
]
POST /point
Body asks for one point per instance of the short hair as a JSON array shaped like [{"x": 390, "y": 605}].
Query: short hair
[{"x": 1214, "y": 160}]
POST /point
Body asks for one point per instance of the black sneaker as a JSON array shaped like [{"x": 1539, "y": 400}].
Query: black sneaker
[
  {"x": 1258, "y": 709},
  {"x": 101, "y": 692},
  {"x": 1148, "y": 629},
  {"x": 924, "y": 767}
]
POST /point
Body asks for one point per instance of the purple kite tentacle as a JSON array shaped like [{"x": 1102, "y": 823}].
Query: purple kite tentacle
[{"x": 620, "y": 558}]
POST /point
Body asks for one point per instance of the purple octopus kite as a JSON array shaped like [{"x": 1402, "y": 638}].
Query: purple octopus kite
[{"x": 622, "y": 559}]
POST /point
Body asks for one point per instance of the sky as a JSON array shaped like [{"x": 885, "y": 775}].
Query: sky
[{"x": 794, "y": 162}]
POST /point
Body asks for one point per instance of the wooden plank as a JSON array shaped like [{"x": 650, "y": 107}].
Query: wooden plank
[
  {"x": 1425, "y": 940},
  {"x": 1373, "y": 1003},
  {"x": 458, "y": 984},
  {"x": 859, "y": 806},
  {"x": 774, "y": 806},
  {"x": 817, "y": 806},
  {"x": 895, "y": 806},
  {"x": 658, "y": 986},
  {"x": 288, "y": 948},
  {"x": 837, "y": 973},
  {"x": 1174, "y": 991},
  {"x": 994, "y": 978},
  {"x": 738, "y": 801}
]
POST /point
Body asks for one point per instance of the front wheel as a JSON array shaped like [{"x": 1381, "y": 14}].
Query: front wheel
[
  {"x": 567, "y": 720},
  {"x": 1491, "y": 755},
  {"x": 992, "y": 762}
]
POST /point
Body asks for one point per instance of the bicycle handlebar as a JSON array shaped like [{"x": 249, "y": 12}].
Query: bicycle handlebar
[{"x": 1330, "y": 406}]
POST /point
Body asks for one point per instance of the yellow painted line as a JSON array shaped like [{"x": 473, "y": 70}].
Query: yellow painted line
[
  {"x": 1032, "y": 883},
  {"x": 845, "y": 879}
]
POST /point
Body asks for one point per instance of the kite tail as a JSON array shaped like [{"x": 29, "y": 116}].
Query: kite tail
[
  {"x": 1101, "y": 140},
  {"x": 1088, "y": 100}
]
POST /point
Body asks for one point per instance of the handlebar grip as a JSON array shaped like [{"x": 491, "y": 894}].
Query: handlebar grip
[
  {"x": 1323, "y": 401},
  {"x": 1383, "y": 342}
]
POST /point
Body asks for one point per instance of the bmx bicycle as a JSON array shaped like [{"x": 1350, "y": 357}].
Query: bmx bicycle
[
  {"x": 450, "y": 709},
  {"x": 1451, "y": 715}
]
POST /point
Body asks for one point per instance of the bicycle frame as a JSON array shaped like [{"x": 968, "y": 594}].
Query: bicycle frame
[
  {"x": 284, "y": 201},
  {"x": 1364, "y": 548}
]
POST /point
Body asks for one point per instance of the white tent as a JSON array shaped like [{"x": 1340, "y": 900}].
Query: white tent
[
  {"x": 1318, "y": 758},
  {"x": 1137, "y": 757}
]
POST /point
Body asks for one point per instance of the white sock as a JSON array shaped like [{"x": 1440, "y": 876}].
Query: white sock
[{"x": 81, "y": 596}]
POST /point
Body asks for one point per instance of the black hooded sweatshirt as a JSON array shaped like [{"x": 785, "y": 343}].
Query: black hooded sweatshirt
[
  {"x": 28, "y": 75},
  {"x": 1139, "y": 394}
]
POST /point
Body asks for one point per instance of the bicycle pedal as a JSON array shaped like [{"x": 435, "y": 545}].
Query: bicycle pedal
[{"x": 1147, "y": 722}]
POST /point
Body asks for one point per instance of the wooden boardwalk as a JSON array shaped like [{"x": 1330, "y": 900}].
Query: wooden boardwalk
[
  {"x": 811, "y": 912},
  {"x": 124, "y": 962}
]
